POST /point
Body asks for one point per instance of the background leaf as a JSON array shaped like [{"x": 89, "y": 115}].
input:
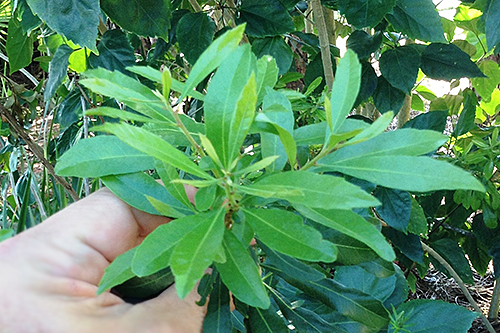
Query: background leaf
[
  {"x": 365, "y": 13},
  {"x": 399, "y": 66},
  {"x": 218, "y": 317},
  {"x": 115, "y": 52},
  {"x": 194, "y": 33},
  {"x": 396, "y": 207},
  {"x": 277, "y": 48},
  {"x": 57, "y": 70},
  {"x": 264, "y": 18},
  {"x": 19, "y": 46}
]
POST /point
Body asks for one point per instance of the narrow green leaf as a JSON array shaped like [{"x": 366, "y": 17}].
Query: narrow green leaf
[
  {"x": 286, "y": 233},
  {"x": 152, "y": 145},
  {"x": 352, "y": 225},
  {"x": 345, "y": 89},
  {"x": 378, "y": 127},
  {"x": 259, "y": 165},
  {"x": 218, "y": 317},
  {"x": 322, "y": 191},
  {"x": 124, "y": 115},
  {"x": 197, "y": 250},
  {"x": 164, "y": 208},
  {"x": 133, "y": 188},
  {"x": 240, "y": 273},
  {"x": 101, "y": 156},
  {"x": 410, "y": 173},
  {"x": 57, "y": 70},
  {"x": 166, "y": 82},
  {"x": 266, "y": 321},
  {"x": 19, "y": 46},
  {"x": 155, "y": 251},
  {"x": 167, "y": 174},
  {"x": 6, "y": 234},
  {"x": 212, "y": 57},
  {"x": 267, "y": 75},
  {"x": 173, "y": 134},
  {"x": 117, "y": 272}
]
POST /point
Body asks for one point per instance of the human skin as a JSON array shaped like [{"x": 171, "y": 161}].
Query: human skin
[{"x": 49, "y": 274}]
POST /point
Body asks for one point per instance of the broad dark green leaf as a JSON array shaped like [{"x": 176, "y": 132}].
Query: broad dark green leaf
[
  {"x": 386, "y": 97},
  {"x": 115, "y": 52},
  {"x": 117, "y": 272},
  {"x": 57, "y": 70},
  {"x": 197, "y": 250},
  {"x": 435, "y": 120},
  {"x": 76, "y": 20},
  {"x": 240, "y": 273},
  {"x": 418, "y": 19},
  {"x": 365, "y": 13},
  {"x": 491, "y": 16},
  {"x": 154, "y": 146},
  {"x": 285, "y": 232},
  {"x": 19, "y": 46},
  {"x": 448, "y": 62},
  {"x": 312, "y": 190},
  {"x": 264, "y": 18},
  {"x": 477, "y": 253},
  {"x": 289, "y": 265},
  {"x": 401, "y": 289},
  {"x": 266, "y": 320},
  {"x": 134, "y": 188},
  {"x": 155, "y": 251},
  {"x": 344, "y": 90},
  {"x": 364, "y": 44},
  {"x": 194, "y": 32},
  {"x": 127, "y": 90},
  {"x": 146, "y": 287},
  {"x": 277, "y": 48},
  {"x": 70, "y": 110},
  {"x": 418, "y": 222},
  {"x": 453, "y": 254},
  {"x": 350, "y": 250},
  {"x": 468, "y": 115},
  {"x": 368, "y": 84},
  {"x": 29, "y": 21},
  {"x": 101, "y": 156},
  {"x": 230, "y": 103},
  {"x": 267, "y": 75},
  {"x": 410, "y": 173},
  {"x": 212, "y": 57},
  {"x": 400, "y": 66},
  {"x": 396, "y": 207},
  {"x": 357, "y": 278},
  {"x": 218, "y": 317},
  {"x": 409, "y": 244},
  {"x": 485, "y": 86},
  {"x": 145, "y": 18},
  {"x": 352, "y": 225},
  {"x": 446, "y": 317}
]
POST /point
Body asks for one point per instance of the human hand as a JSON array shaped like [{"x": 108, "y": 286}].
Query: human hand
[{"x": 49, "y": 274}]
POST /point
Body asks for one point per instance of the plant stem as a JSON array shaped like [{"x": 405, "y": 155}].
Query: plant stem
[
  {"x": 37, "y": 151},
  {"x": 324, "y": 43},
  {"x": 196, "y": 6},
  {"x": 404, "y": 112},
  {"x": 459, "y": 281},
  {"x": 495, "y": 301}
]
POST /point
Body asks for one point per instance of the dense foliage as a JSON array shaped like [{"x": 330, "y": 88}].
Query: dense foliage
[{"x": 286, "y": 140}]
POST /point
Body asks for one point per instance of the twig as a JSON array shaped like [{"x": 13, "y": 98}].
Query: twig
[
  {"x": 495, "y": 300},
  {"x": 459, "y": 281},
  {"x": 37, "y": 151},
  {"x": 324, "y": 43}
]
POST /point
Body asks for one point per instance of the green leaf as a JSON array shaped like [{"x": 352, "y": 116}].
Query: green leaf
[
  {"x": 173, "y": 134},
  {"x": 127, "y": 90},
  {"x": 365, "y": 13},
  {"x": 205, "y": 197},
  {"x": 115, "y": 52},
  {"x": 468, "y": 115},
  {"x": 230, "y": 104},
  {"x": 145, "y": 18},
  {"x": 240, "y": 273},
  {"x": 286, "y": 233},
  {"x": 277, "y": 48},
  {"x": 167, "y": 174},
  {"x": 164, "y": 208},
  {"x": 101, "y": 156},
  {"x": 57, "y": 70},
  {"x": 197, "y": 250},
  {"x": 6, "y": 234},
  {"x": 396, "y": 207},
  {"x": 218, "y": 317},
  {"x": 134, "y": 188},
  {"x": 259, "y": 165},
  {"x": 29, "y": 21},
  {"x": 386, "y": 97},
  {"x": 264, "y": 18},
  {"x": 485, "y": 86},
  {"x": 368, "y": 84},
  {"x": 350, "y": 250},
  {"x": 453, "y": 254},
  {"x": 117, "y": 272},
  {"x": 352, "y": 225},
  {"x": 70, "y": 110},
  {"x": 266, "y": 321},
  {"x": 418, "y": 222},
  {"x": 124, "y": 115},
  {"x": 435, "y": 120},
  {"x": 409, "y": 244},
  {"x": 375, "y": 129},
  {"x": 447, "y": 317},
  {"x": 267, "y": 75},
  {"x": 357, "y": 278},
  {"x": 194, "y": 32},
  {"x": 410, "y": 142},
  {"x": 345, "y": 89},
  {"x": 364, "y": 44},
  {"x": 155, "y": 251},
  {"x": 410, "y": 173},
  {"x": 19, "y": 46},
  {"x": 491, "y": 16},
  {"x": 145, "y": 287},
  {"x": 76, "y": 20},
  {"x": 314, "y": 190},
  {"x": 448, "y": 62},
  {"x": 212, "y": 57},
  {"x": 152, "y": 145},
  {"x": 400, "y": 67},
  {"x": 418, "y": 19}
]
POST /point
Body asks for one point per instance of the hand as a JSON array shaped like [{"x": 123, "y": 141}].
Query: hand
[{"x": 49, "y": 274}]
